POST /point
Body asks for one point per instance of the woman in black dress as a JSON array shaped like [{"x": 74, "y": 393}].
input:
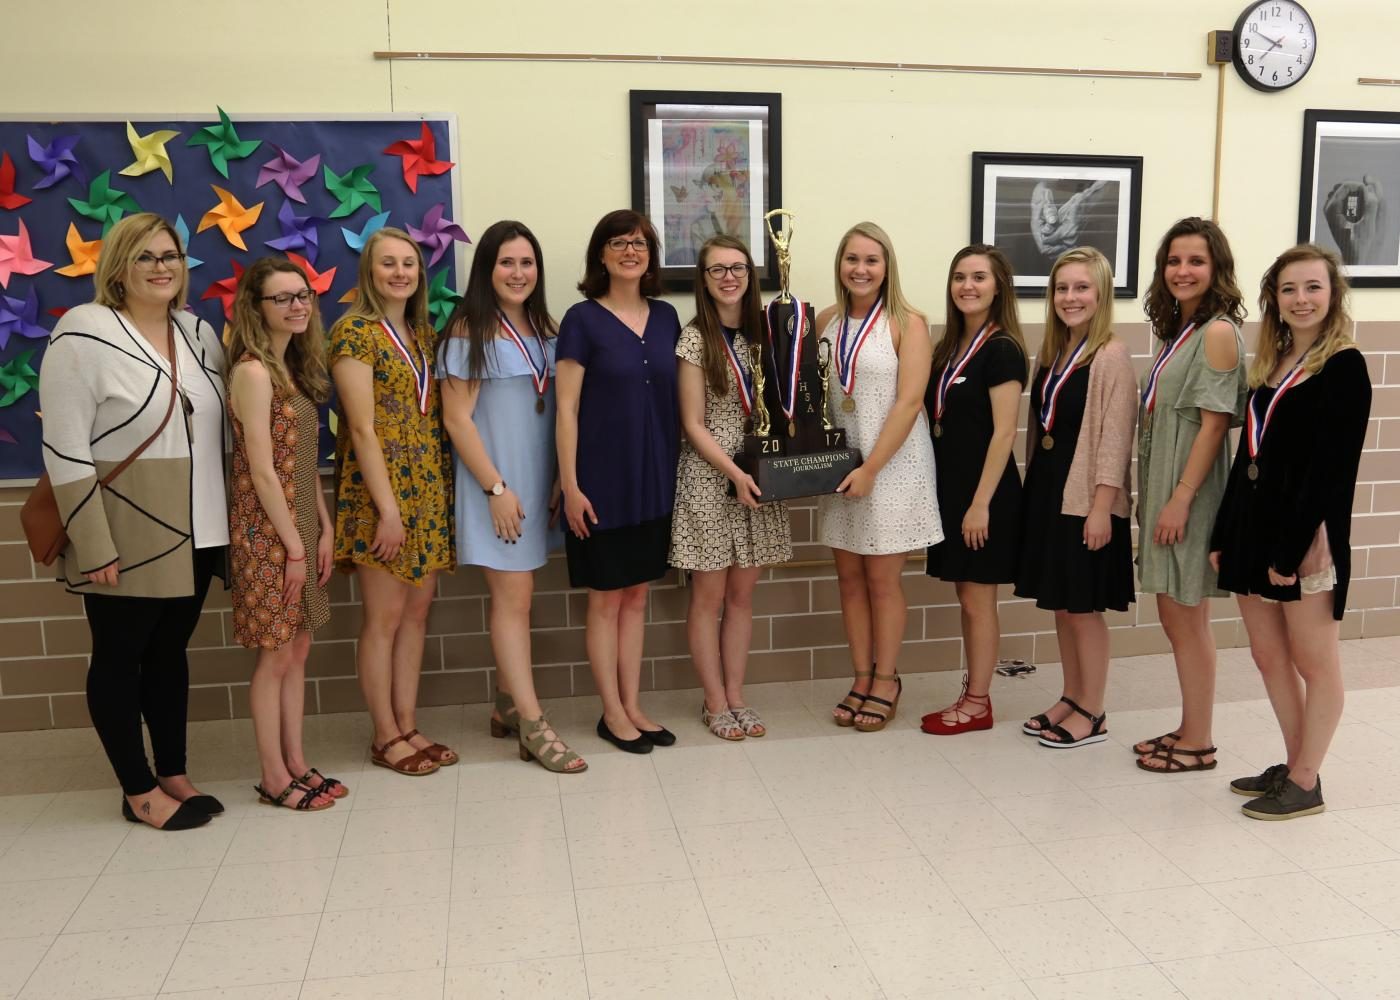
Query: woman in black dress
[
  {"x": 1282, "y": 537},
  {"x": 979, "y": 371}
]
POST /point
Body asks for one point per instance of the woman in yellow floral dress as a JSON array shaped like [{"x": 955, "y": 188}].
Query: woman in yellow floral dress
[{"x": 393, "y": 489}]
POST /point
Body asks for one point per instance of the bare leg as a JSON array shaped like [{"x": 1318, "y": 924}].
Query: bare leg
[
  {"x": 855, "y": 619},
  {"x": 511, "y": 596},
  {"x": 1089, "y": 636},
  {"x": 981, "y": 632},
  {"x": 408, "y": 656},
  {"x": 383, "y": 597},
  {"x": 1193, "y": 646},
  {"x": 888, "y": 613},
  {"x": 1312, "y": 639},
  {"x": 1268, "y": 644},
  {"x": 600, "y": 638},
  {"x": 702, "y": 629},
  {"x": 293, "y": 700},
  {"x": 265, "y": 705},
  {"x": 631, "y": 627},
  {"x": 1069, "y": 667},
  {"x": 736, "y": 634}
]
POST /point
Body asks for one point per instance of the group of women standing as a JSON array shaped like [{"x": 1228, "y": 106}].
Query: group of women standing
[{"x": 612, "y": 433}]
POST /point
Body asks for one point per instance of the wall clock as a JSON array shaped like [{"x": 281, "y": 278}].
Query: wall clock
[{"x": 1275, "y": 44}]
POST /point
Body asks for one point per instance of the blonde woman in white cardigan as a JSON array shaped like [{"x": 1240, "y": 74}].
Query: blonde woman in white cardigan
[{"x": 142, "y": 550}]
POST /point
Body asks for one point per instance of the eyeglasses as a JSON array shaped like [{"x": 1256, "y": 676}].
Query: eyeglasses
[
  {"x": 171, "y": 261},
  {"x": 718, "y": 271},
  {"x": 284, "y": 299},
  {"x": 619, "y": 244}
]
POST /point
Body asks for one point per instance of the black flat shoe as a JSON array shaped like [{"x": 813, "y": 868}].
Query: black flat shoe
[
  {"x": 662, "y": 737},
  {"x": 187, "y": 817},
  {"x": 206, "y": 804},
  {"x": 640, "y": 745}
]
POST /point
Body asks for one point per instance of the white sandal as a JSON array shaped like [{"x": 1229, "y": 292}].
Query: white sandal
[
  {"x": 749, "y": 721},
  {"x": 722, "y": 724}
]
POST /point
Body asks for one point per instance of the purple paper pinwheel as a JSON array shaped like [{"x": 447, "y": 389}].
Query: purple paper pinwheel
[
  {"x": 289, "y": 173},
  {"x": 20, "y": 317},
  {"x": 298, "y": 232},
  {"x": 437, "y": 233},
  {"x": 57, "y": 160}
]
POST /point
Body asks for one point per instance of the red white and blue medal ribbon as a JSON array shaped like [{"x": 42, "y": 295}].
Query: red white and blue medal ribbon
[
  {"x": 953, "y": 369},
  {"x": 848, "y": 346},
  {"x": 787, "y": 388},
  {"x": 1256, "y": 425},
  {"x": 1149, "y": 394},
  {"x": 538, "y": 374},
  {"x": 1053, "y": 384},
  {"x": 743, "y": 379},
  {"x": 422, "y": 377}
]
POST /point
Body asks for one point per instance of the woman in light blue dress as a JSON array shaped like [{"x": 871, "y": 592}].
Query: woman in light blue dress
[{"x": 497, "y": 371}]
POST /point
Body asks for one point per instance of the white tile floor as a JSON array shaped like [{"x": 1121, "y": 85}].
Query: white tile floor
[{"x": 816, "y": 862}]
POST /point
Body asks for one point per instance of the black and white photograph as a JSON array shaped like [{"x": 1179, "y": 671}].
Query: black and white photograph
[
  {"x": 1035, "y": 206},
  {"x": 1350, "y": 183}
]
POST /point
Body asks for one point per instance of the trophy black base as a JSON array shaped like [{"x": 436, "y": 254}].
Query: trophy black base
[{"x": 797, "y": 474}]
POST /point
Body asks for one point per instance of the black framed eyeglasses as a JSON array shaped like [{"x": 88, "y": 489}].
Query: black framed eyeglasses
[
  {"x": 718, "y": 271},
  {"x": 284, "y": 299},
  {"x": 619, "y": 244},
  {"x": 171, "y": 261}
]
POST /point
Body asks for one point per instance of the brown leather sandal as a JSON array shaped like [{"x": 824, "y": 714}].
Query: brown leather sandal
[
  {"x": 443, "y": 756},
  {"x": 415, "y": 764}
]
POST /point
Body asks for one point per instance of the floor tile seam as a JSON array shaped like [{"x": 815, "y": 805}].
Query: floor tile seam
[
  {"x": 190, "y": 926},
  {"x": 1277, "y": 949},
  {"x": 1094, "y": 901}
]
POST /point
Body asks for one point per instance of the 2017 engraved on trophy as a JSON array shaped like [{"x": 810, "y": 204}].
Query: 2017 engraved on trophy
[{"x": 800, "y": 452}]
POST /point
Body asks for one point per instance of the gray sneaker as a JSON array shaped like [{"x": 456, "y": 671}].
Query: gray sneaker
[
  {"x": 1259, "y": 784},
  {"x": 1288, "y": 801}
]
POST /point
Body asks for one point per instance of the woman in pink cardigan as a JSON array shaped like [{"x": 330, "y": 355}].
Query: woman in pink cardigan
[{"x": 1077, "y": 551}]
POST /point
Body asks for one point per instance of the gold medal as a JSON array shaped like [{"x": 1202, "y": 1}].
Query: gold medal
[
  {"x": 1252, "y": 472},
  {"x": 848, "y": 405},
  {"x": 1047, "y": 442},
  {"x": 539, "y": 404},
  {"x": 792, "y": 428},
  {"x": 937, "y": 429}
]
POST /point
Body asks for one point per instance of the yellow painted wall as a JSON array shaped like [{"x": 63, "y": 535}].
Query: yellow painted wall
[{"x": 548, "y": 143}]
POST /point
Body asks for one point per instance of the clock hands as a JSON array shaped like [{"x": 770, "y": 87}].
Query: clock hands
[{"x": 1274, "y": 43}]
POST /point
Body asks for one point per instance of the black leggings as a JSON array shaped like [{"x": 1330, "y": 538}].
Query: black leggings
[{"x": 138, "y": 669}]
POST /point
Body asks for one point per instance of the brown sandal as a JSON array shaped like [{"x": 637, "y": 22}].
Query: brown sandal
[
  {"x": 443, "y": 756},
  {"x": 415, "y": 764},
  {"x": 1170, "y": 765}
]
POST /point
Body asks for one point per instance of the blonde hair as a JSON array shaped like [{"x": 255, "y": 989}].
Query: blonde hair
[
  {"x": 368, "y": 305},
  {"x": 1274, "y": 336},
  {"x": 896, "y": 304},
  {"x": 305, "y": 361},
  {"x": 1100, "y": 324},
  {"x": 121, "y": 246}
]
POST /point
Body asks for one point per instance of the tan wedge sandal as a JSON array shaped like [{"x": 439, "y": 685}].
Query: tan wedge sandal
[
  {"x": 539, "y": 741},
  {"x": 849, "y": 719},
  {"x": 882, "y": 719}
]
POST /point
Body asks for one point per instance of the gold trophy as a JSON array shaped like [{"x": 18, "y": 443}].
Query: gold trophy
[
  {"x": 781, "y": 238},
  {"x": 824, "y": 371},
  {"x": 761, "y": 426}
]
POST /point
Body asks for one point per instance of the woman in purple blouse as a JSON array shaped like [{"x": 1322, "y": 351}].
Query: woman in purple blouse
[{"x": 618, "y": 438}]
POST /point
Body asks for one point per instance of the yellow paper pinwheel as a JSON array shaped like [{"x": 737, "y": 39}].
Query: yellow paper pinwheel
[
  {"x": 150, "y": 153},
  {"x": 231, "y": 217}
]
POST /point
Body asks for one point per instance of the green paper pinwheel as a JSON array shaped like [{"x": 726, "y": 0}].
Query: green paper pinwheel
[
  {"x": 441, "y": 300},
  {"x": 105, "y": 204},
  {"x": 223, "y": 142},
  {"x": 17, "y": 379},
  {"x": 352, "y": 189}
]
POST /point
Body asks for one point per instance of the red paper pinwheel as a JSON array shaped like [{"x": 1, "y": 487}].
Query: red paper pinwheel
[{"x": 419, "y": 158}]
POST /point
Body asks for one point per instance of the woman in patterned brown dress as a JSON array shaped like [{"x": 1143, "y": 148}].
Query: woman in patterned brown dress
[
  {"x": 723, "y": 540},
  {"x": 277, "y": 516}
]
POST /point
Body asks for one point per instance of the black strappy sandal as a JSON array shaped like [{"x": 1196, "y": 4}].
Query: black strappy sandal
[
  {"x": 1155, "y": 744},
  {"x": 1066, "y": 741},
  {"x": 307, "y": 803},
  {"x": 1044, "y": 720},
  {"x": 327, "y": 785},
  {"x": 1171, "y": 765}
]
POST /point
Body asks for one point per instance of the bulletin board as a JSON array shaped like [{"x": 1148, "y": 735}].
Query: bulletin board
[{"x": 237, "y": 187}]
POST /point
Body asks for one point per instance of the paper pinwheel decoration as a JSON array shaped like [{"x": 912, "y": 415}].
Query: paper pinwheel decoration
[
  {"x": 182, "y": 227},
  {"x": 298, "y": 232},
  {"x": 419, "y": 158},
  {"x": 84, "y": 254},
  {"x": 105, "y": 203},
  {"x": 231, "y": 217},
  {"x": 356, "y": 241},
  {"x": 7, "y": 438},
  {"x": 9, "y": 200},
  {"x": 288, "y": 173},
  {"x": 223, "y": 142},
  {"x": 437, "y": 233},
  {"x": 57, "y": 160},
  {"x": 224, "y": 290},
  {"x": 349, "y": 296},
  {"x": 352, "y": 189},
  {"x": 320, "y": 281},
  {"x": 16, "y": 256},
  {"x": 441, "y": 300},
  {"x": 150, "y": 153},
  {"x": 17, "y": 378},
  {"x": 20, "y": 317}
]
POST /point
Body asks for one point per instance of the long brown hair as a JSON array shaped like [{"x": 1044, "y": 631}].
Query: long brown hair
[
  {"x": 1274, "y": 335},
  {"x": 1002, "y": 313},
  {"x": 896, "y": 304},
  {"x": 304, "y": 366},
  {"x": 1100, "y": 324},
  {"x": 1222, "y": 298},
  {"x": 707, "y": 315},
  {"x": 368, "y": 305}
]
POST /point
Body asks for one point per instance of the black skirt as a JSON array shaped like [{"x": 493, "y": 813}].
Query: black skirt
[{"x": 619, "y": 557}]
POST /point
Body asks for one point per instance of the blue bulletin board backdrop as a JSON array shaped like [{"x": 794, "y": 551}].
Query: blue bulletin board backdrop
[{"x": 342, "y": 143}]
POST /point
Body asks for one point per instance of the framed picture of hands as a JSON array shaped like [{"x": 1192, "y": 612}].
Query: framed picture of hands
[
  {"x": 1347, "y": 198},
  {"x": 1035, "y": 206}
]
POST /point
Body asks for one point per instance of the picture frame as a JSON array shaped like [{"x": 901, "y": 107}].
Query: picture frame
[
  {"x": 1349, "y": 182},
  {"x": 1035, "y": 206},
  {"x": 705, "y": 162}
]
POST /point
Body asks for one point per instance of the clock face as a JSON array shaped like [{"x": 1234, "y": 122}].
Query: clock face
[{"x": 1275, "y": 43}]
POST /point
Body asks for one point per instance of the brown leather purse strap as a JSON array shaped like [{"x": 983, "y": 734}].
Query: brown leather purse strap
[{"x": 174, "y": 391}]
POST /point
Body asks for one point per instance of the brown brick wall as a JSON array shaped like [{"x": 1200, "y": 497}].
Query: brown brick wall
[{"x": 797, "y": 626}]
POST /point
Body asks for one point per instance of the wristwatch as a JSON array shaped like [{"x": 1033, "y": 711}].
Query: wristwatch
[{"x": 496, "y": 490}]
